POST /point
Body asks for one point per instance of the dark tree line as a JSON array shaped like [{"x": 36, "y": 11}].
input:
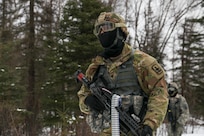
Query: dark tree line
[{"x": 191, "y": 54}]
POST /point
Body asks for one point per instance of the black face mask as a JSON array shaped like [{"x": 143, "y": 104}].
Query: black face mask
[
  {"x": 172, "y": 91},
  {"x": 112, "y": 42},
  {"x": 106, "y": 39}
]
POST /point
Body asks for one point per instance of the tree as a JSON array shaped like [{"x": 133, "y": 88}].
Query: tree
[
  {"x": 153, "y": 23},
  {"x": 11, "y": 92},
  {"x": 75, "y": 45},
  {"x": 32, "y": 104},
  {"x": 190, "y": 75}
]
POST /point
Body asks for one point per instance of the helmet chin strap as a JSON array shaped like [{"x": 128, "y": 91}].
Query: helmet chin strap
[{"x": 118, "y": 37}]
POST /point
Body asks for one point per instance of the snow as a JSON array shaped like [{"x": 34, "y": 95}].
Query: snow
[
  {"x": 193, "y": 135},
  {"x": 190, "y": 130},
  {"x": 194, "y": 131}
]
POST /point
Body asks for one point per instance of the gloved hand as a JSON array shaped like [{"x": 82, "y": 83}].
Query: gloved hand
[
  {"x": 146, "y": 131},
  {"x": 93, "y": 102}
]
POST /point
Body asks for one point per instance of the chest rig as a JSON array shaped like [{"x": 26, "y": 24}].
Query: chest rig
[
  {"x": 126, "y": 85},
  {"x": 125, "y": 82},
  {"x": 174, "y": 109}
]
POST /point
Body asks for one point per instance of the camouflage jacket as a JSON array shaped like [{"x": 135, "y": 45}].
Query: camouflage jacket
[
  {"x": 179, "y": 108},
  {"x": 151, "y": 79}
]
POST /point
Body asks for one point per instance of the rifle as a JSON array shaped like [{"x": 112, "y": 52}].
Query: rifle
[{"x": 128, "y": 123}]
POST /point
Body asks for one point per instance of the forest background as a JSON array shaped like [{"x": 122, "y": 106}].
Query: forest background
[{"x": 43, "y": 43}]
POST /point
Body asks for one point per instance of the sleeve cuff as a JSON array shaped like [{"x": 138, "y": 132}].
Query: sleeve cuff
[{"x": 151, "y": 124}]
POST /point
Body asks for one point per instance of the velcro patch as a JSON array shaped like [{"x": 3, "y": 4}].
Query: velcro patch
[{"x": 157, "y": 69}]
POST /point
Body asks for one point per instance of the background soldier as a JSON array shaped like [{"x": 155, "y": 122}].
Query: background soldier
[
  {"x": 134, "y": 75},
  {"x": 178, "y": 111}
]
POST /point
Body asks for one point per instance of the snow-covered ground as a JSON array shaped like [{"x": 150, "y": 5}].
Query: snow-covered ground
[
  {"x": 190, "y": 130},
  {"x": 194, "y": 131}
]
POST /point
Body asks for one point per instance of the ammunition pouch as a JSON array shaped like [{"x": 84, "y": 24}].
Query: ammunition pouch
[
  {"x": 135, "y": 104},
  {"x": 98, "y": 122}
]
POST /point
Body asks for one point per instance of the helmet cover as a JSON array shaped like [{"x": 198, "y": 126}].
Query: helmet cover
[{"x": 111, "y": 17}]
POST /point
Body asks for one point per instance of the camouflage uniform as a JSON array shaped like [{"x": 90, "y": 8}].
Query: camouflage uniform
[
  {"x": 151, "y": 79},
  {"x": 180, "y": 111},
  {"x": 149, "y": 73}
]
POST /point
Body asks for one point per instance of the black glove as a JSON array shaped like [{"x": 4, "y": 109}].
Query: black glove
[
  {"x": 94, "y": 103},
  {"x": 146, "y": 131}
]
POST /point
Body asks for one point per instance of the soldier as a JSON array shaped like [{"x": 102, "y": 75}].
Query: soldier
[
  {"x": 178, "y": 111},
  {"x": 134, "y": 75}
]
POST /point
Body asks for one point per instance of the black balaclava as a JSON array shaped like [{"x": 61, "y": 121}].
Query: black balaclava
[
  {"x": 172, "y": 90},
  {"x": 112, "y": 42}
]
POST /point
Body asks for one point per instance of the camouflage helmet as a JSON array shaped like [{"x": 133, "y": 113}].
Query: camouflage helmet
[
  {"x": 116, "y": 19},
  {"x": 172, "y": 89}
]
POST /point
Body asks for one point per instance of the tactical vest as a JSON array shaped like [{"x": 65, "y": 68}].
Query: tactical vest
[
  {"x": 173, "y": 109},
  {"x": 125, "y": 84}
]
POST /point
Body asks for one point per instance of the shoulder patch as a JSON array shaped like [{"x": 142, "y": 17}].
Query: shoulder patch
[{"x": 157, "y": 69}]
